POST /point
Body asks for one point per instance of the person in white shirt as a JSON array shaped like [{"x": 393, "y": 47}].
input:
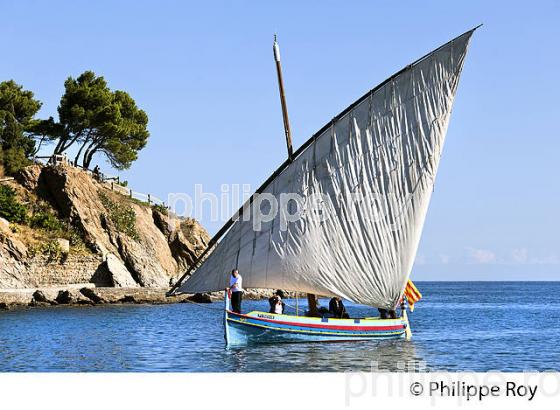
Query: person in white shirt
[
  {"x": 276, "y": 304},
  {"x": 279, "y": 306},
  {"x": 235, "y": 285}
]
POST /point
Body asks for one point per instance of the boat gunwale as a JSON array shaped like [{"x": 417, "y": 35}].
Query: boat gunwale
[
  {"x": 324, "y": 325},
  {"x": 363, "y": 334}
]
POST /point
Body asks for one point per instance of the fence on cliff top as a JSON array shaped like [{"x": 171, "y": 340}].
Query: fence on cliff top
[{"x": 111, "y": 182}]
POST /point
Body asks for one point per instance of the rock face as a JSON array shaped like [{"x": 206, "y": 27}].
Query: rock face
[
  {"x": 4, "y": 225},
  {"x": 187, "y": 238},
  {"x": 75, "y": 194},
  {"x": 44, "y": 297},
  {"x": 92, "y": 295},
  {"x": 13, "y": 271},
  {"x": 148, "y": 258},
  {"x": 155, "y": 252},
  {"x": 28, "y": 177},
  {"x": 64, "y": 245},
  {"x": 153, "y": 258},
  {"x": 71, "y": 297},
  {"x": 10, "y": 243},
  {"x": 119, "y": 276}
]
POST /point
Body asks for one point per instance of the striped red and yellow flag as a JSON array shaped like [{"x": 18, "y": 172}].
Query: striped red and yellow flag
[{"x": 412, "y": 294}]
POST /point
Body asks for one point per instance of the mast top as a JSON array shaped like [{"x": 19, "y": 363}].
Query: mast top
[{"x": 276, "y": 49}]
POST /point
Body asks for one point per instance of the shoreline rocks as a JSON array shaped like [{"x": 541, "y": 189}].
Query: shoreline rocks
[
  {"x": 83, "y": 296},
  {"x": 95, "y": 296}
]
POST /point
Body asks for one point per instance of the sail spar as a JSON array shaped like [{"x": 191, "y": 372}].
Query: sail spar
[{"x": 345, "y": 216}]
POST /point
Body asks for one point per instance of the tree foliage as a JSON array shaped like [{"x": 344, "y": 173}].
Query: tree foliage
[
  {"x": 98, "y": 120},
  {"x": 17, "y": 109},
  {"x": 10, "y": 208}
]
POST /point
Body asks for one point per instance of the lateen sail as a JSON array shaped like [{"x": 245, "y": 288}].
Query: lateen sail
[{"x": 374, "y": 166}]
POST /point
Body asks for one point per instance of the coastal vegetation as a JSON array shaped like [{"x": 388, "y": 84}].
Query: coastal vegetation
[
  {"x": 50, "y": 248},
  {"x": 10, "y": 208},
  {"x": 92, "y": 120},
  {"x": 38, "y": 224},
  {"x": 161, "y": 208},
  {"x": 121, "y": 215},
  {"x": 17, "y": 110}
]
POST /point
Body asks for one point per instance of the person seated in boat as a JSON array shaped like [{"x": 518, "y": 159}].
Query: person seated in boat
[
  {"x": 314, "y": 309},
  {"x": 383, "y": 313},
  {"x": 235, "y": 285},
  {"x": 387, "y": 313},
  {"x": 276, "y": 304},
  {"x": 337, "y": 309}
]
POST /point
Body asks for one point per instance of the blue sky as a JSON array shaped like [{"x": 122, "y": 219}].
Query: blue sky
[{"x": 204, "y": 73}]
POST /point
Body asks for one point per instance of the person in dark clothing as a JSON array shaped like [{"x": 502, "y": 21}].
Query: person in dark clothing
[
  {"x": 383, "y": 313},
  {"x": 96, "y": 172},
  {"x": 387, "y": 313},
  {"x": 337, "y": 309},
  {"x": 312, "y": 303},
  {"x": 276, "y": 304}
]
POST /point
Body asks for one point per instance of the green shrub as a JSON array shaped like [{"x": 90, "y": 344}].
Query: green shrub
[
  {"x": 121, "y": 215},
  {"x": 161, "y": 208},
  {"x": 14, "y": 159},
  {"x": 74, "y": 237},
  {"x": 10, "y": 208},
  {"x": 45, "y": 220},
  {"x": 50, "y": 248}
]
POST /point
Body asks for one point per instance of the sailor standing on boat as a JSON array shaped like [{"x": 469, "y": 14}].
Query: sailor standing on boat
[{"x": 235, "y": 285}]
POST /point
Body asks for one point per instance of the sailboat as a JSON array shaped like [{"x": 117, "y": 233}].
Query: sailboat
[{"x": 360, "y": 188}]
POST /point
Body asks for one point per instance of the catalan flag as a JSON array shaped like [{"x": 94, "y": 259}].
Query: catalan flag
[{"x": 412, "y": 294}]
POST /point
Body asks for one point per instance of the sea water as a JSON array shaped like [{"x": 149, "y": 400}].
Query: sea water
[{"x": 457, "y": 326}]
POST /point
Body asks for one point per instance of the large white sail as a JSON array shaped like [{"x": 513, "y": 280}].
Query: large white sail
[{"x": 373, "y": 170}]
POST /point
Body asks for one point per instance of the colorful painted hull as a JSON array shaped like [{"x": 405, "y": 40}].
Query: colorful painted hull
[{"x": 260, "y": 327}]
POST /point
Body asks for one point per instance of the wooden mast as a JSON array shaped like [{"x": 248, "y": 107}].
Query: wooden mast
[
  {"x": 287, "y": 131},
  {"x": 311, "y": 298}
]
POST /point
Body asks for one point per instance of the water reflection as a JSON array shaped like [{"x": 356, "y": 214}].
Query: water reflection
[{"x": 383, "y": 355}]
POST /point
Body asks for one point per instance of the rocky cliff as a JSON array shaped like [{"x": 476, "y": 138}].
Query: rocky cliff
[{"x": 126, "y": 243}]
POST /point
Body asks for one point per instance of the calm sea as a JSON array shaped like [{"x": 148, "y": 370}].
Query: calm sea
[{"x": 476, "y": 326}]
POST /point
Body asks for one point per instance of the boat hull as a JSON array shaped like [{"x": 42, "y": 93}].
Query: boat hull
[{"x": 260, "y": 327}]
